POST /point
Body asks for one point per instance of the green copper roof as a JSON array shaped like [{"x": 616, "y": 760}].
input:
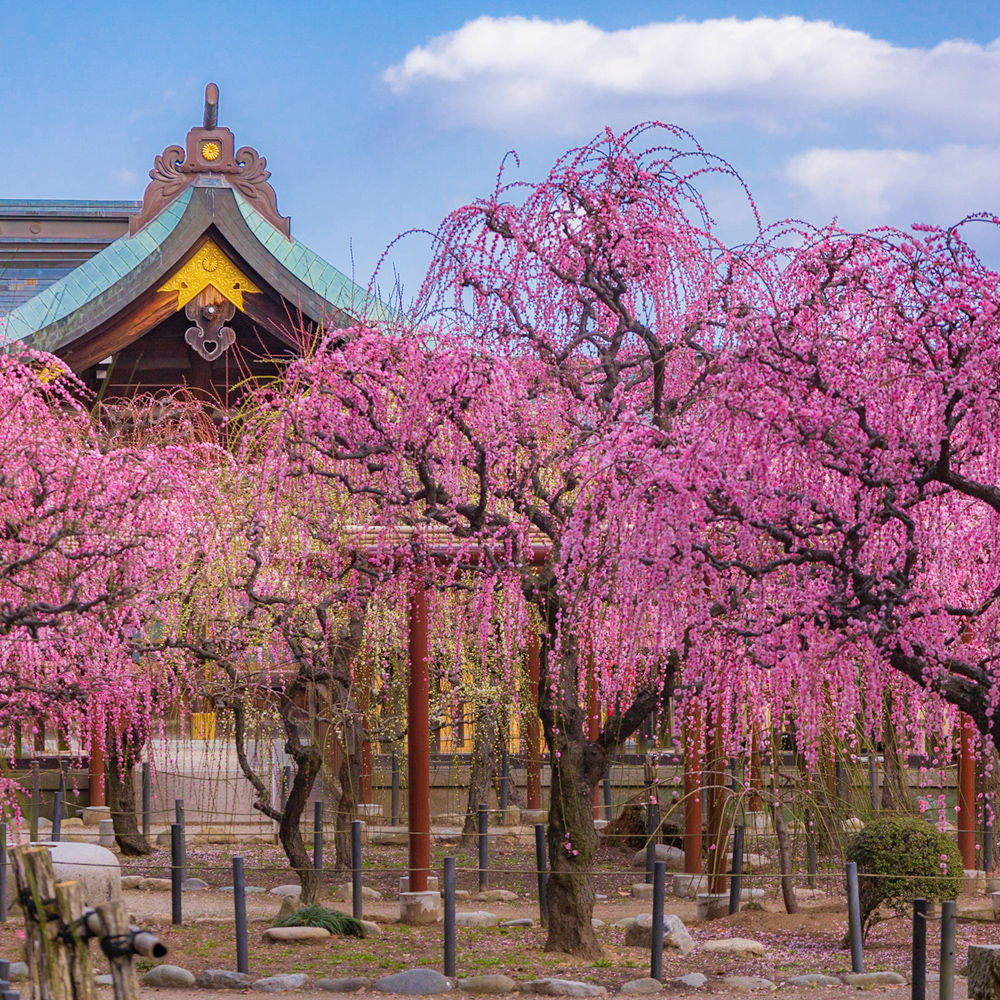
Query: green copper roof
[
  {"x": 311, "y": 269},
  {"x": 92, "y": 277}
]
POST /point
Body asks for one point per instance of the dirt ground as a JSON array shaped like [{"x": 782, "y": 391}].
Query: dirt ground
[{"x": 807, "y": 942}]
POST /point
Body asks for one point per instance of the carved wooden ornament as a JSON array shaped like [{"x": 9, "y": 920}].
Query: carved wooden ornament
[
  {"x": 210, "y": 151},
  {"x": 210, "y": 288}
]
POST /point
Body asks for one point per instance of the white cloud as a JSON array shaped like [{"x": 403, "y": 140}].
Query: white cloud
[
  {"x": 778, "y": 72},
  {"x": 868, "y": 185}
]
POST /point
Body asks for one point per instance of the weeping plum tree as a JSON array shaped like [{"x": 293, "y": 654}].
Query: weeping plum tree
[{"x": 557, "y": 337}]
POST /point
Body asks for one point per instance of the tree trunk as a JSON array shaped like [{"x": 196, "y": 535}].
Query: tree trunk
[
  {"x": 578, "y": 765},
  {"x": 784, "y": 845},
  {"x": 349, "y": 778},
  {"x": 308, "y": 762},
  {"x": 481, "y": 771},
  {"x": 120, "y": 757}
]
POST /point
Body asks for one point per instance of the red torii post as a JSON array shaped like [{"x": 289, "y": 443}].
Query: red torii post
[
  {"x": 534, "y": 761},
  {"x": 967, "y": 795},
  {"x": 418, "y": 741}
]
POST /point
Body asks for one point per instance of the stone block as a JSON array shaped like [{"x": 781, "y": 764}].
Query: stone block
[
  {"x": 92, "y": 815},
  {"x": 282, "y": 934},
  {"x": 420, "y": 908},
  {"x": 742, "y": 947},
  {"x": 984, "y": 972},
  {"x": 712, "y": 905},
  {"x": 432, "y": 883},
  {"x": 642, "y": 890},
  {"x": 688, "y": 886},
  {"x": 106, "y": 836},
  {"x": 867, "y": 980}
]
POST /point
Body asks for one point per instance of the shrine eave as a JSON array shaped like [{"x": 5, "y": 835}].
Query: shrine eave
[{"x": 133, "y": 266}]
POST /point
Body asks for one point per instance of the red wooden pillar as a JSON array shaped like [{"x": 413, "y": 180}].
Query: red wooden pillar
[
  {"x": 717, "y": 832},
  {"x": 96, "y": 770},
  {"x": 967, "y": 795},
  {"x": 594, "y": 725},
  {"x": 418, "y": 742},
  {"x": 692, "y": 793},
  {"x": 531, "y": 725}
]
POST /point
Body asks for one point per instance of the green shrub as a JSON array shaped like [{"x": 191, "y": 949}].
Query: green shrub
[
  {"x": 319, "y": 916},
  {"x": 899, "y": 859}
]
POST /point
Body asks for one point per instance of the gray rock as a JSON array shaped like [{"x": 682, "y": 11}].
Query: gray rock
[
  {"x": 232, "y": 888},
  {"x": 749, "y": 984},
  {"x": 131, "y": 881},
  {"x": 642, "y": 986},
  {"x": 168, "y": 975},
  {"x": 673, "y": 857},
  {"x": 155, "y": 884},
  {"x": 496, "y": 896},
  {"x": 414, "y": 982},
  {"x": 280, "y": 934},
  {"x": 223, "y": 979},
  {"x": 624, "y": 923},
  {"x": 743, "y": 947},
  {"x": 345, "y": 893},
  {"x": 695, "y": 980},
  {"x": 18, "y": 972},
  {"x": 563, "y": 988},
  {"x": 813, "y": 979},
  {"x": 519, "y": 922},
  {"x": 642, "y": 890},
  {"x": 372, "y": 929},
  {"x": 639, "y": 933},
  {"x": 104, "y": 980},
  {"x": 487, "y": 984},
  {"x": 287, "y": 890},
  {"x": 279, "y": 984},
  {"x": 476, "y": 918},
  {"x": 349, "y": 984},
  {"x": 194, "y": 885},
  {"x": 597, "y": 924},
  {"x": 866, "y": 980},
  {"x": 984, "y": 966}
]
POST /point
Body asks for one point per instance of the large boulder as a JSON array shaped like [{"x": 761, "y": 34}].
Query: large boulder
[
  {"x": 639, "y": 934},
  {"x": 984, "y": 971},
  {"x": 672, "y": 856},
  {"x": 95, "y": 868}
]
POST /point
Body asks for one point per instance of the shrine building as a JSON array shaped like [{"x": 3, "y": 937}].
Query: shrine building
[{"x": 201, "y": 284}]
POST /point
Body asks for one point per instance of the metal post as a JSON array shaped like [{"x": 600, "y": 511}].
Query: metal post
[
  {"x": 449, "y": 916},
  {"x": 652, "y": 823},
  {"x": 240, "y": 913},
  {"x": 608, "y": 808},
  {"x": 36, "y": 801},
  {"x": 176, "y": 871},
  {"x": 656, "y": 958},
  {"x": 394, "y": 821},
  {"x": 854, "y": 918},
  {"x": 147, "y": 799},
  {"x": 946, "y": 987},
  {"x": 810, "y": 851},
  {"x": 504, "y": 784},
  {"x": 484, "y": 846},
  {"x": 873, "y": 778},
  {"x": 418, "y": 758},
  {"x": 736, "y": 883},
  {"x": 57, "y": 810},
  {"x": 318, "y": 836},
  {"x": 179, "y": 819},
  {"x": 356, "y": 895},
  {"x": 543, "y": 903},
  {"x": 3, "y": 873},
  {"x": 918, "y": 986}
]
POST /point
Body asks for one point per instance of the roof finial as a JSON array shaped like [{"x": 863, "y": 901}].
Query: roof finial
[{"x": 211, "y": 106}]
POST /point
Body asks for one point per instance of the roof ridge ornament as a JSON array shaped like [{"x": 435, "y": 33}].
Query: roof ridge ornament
[{"x": 210, "y": 151}]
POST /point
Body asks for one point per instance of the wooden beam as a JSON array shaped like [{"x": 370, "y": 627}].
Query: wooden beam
[{"x": 122, "y": 330}]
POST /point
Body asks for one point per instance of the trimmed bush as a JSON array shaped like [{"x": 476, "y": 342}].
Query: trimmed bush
[
  {"x": 899, "y": 859},
  {"x": 320, "y": 916}
]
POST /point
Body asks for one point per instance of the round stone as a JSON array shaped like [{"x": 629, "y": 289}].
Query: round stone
[
  {"x": 279, "y": 984},
  {"x": 168, "y": 975},
  {"x": 223, "y": 979},
  {"x": 487, "y": 984},
  {"x": 414, "y": 982},
  {"x": 476, "y": 918}
]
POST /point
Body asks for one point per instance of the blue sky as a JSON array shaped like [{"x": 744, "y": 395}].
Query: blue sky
[{"x": 380, "y": 117}]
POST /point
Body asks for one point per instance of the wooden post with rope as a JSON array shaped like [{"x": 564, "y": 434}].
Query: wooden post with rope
[{"x": 58, "y": 929}]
